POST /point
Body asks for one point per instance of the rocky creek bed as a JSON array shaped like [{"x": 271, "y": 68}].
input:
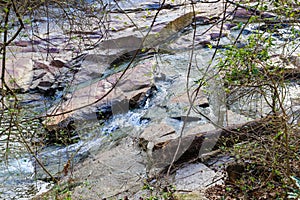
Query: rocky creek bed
[{"x": 107, "y": 112}]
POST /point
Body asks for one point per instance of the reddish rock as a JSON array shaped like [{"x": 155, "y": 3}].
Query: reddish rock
[
  {"x": 242, "y": 13},
  {"x": 204, "y": 43},
  {"x": 93, "y": 66},
  {"x": 18, "y": 72},
  {"x": 202, "y": 20},
  {"x": 29, "y": 49},
  {"x": 25, "y": 43},
  {"x": 46, "y": 76},
  {"x": 57, "y": 63},
  {"x": 86, "y": 99},
  {"x": 39, "y": 65},
  {"x": 215, "y": 36}
]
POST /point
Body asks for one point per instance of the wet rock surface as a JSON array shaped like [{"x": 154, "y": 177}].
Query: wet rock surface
[
  {"x": 129, "y": 115},
  {"x": 83, "y": 103}
]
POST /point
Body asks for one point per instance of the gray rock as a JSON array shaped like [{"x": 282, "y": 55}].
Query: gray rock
[
  {"x": 196, "y": 177},
  {"x": 128, "y": 43},
  {"x": 25, "y": 43},
  {"x": 112, "y": 172},
  {"x": 92, "y": 66}
]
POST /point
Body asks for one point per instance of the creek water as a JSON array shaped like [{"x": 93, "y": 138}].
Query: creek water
[{"x": 21, "y": 176}]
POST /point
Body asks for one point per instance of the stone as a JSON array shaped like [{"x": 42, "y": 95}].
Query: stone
[
  {"x": 196, "y": 176},
  {"x": 42, "y": 80},
  {"x": 204, "y": 43},
  {"x": 135, "y": 83},
  {"x": 215, "y": 36},
  {"x": 268, "y": 15},
  {"x": 229, "y": 26},
  {"x": 182, "y": 98},
  {"x": 156, "y": 133},
  {"x": 57, "y": 63},
  {"x": 48, "y": 77},
  {"x": 234, "y": 118},
  {"x": 111, "y": 173},
  {"x": 25, "y": 43},
  {"x": 171, "y": 29},
  {"x": 179, "y": 103},
  {"x": 128, "y": 43},
  {"x": 93, "y": 66},
  {"x": 202, "y": 20},
  {"x": 242, "y": 14},
  {"x": 29, "y": 49},
  {"x": 156, "y": 113},
  {"x": 160, "y": 141},
  {"x": 38, "y": 74},
  {"x": 37, "y": 65},
  {"x": 18, "y": 72},
  {"x": 295, "y": 60},
  {"x": 49, "y": 50}
]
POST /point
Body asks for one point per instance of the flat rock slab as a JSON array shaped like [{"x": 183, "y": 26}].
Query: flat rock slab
[
  {"x": 18, "y": 72},
  {"x": 87, "y": 97},
  {"x": 196, "y": 176},
  {"x": 161, "y": 142},
  {"x": 198, "y": 143},
  {"x": 92, "y": 66},
  {"x": 177, "y": 102},
  {"x": 111, "y": 173},
  {"x": 156, "y": 133}
]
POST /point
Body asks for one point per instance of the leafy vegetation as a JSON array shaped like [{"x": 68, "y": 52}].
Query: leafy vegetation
[
  {"x": 263, "y": 165},
  {"x": 266, "y": 166}
]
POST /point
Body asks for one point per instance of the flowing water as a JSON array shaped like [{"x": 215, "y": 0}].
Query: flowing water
[{"x": 21, "y": 176}]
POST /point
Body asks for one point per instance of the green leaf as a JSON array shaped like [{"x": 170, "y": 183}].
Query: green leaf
[
  {"x": 280, "y": 133},
  {"x": 5, "y": 10},
  {"x": 239, "y": 26},
  {"x": 27, "y": 21}
]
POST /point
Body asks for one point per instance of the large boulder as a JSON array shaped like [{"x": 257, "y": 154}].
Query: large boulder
[
  {"x": 85, "y": 99},
  {"x": 161, "y": 142}
]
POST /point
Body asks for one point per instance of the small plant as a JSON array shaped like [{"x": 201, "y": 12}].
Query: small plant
[{"x": 157, "y": 192}]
